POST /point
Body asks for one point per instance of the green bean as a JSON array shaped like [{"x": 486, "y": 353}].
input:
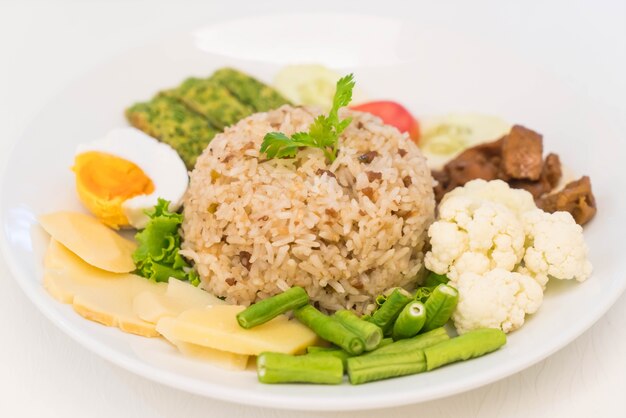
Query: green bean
[
  {"x": 318, "y": 349},
  {"x": 410, "y": 321},
  {"x": 472, "y": 344},
  {"x": 336, "y": 352},
  {"x": 365, "y": 369},
  {"x": 422, "y": 294},
  {"x": 385, "y": 342},
  {"x": 440, "y": 306},
  {"x": 308, "y": 368},
  {"x": 380, "y": 299},
  {"x": 270, "y": 308},
  {"x": 370, "y": 334},
  {"x": 419, "y": 342},
  {"x": 434, "y": 279},
  {"x": 330, "y": 329},
  {"x": 385, "y": 316}
]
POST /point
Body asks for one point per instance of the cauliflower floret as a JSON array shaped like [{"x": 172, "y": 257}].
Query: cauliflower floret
[
  {"x": 474, "y": 236},
  {"x": 498, "y": 191},
  {"x": 497, "y": 299},
  {"x": 499, "y": 250},
  {"x": 540, "y": 278},
  {"x": 555, "y": 246}
]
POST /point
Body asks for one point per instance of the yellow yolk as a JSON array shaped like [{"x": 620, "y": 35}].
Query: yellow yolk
[{"x": 104, "y": 182}]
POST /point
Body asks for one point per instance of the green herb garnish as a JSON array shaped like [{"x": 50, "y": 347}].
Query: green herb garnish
[
  {"x": 323, "y": 133},
  {"x": 157, "y": 256}
]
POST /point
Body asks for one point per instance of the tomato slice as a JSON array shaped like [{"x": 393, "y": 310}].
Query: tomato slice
[{"x": 394, "y": 114}]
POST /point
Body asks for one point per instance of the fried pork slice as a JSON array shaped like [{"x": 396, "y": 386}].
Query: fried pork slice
[
  {"x": 522, "y": 154},
  {"x": 550, "y": 175},
  {"x": 479, "y": 162},
  {"x": 576, "y": 198}
]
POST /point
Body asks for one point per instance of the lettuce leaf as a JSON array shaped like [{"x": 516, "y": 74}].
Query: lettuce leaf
[
  {"x": 157, "y": 256},
  {"x": 434, "y": 279}
]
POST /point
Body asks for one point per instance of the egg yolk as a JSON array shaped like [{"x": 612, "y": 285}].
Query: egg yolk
[{"x": 105, "y": 181}]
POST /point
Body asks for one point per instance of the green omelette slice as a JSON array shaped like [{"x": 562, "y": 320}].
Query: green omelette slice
[
  {"x": 211, "y": 100},
  {"x": 249, "y": 90},
  {"x": 173, "y": 123}
]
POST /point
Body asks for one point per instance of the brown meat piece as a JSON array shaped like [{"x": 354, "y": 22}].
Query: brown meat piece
[
  {"x": 522, "y": 154},
  {"x": 479, "y": 162},
  {"x": 576, "y": 198},
  {"x": 443, "y": 184},
  {"x": 523, "y": 149},
  {"x": 550, "y": 176},
  {"x": 536, "y": 188},
  {"x": 552, "y": 170}
]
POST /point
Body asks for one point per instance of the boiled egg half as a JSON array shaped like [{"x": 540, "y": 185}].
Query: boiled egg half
[{"x": 121, "y": 175}]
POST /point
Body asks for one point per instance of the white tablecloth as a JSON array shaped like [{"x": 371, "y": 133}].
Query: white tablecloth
[{"x": 43, "y": 373}]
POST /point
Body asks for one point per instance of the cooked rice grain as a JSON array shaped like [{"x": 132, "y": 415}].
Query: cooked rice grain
[{"x": 344, "y": 238}]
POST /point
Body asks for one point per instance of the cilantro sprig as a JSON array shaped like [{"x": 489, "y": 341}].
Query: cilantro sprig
[{"x": 323, "y": 133}]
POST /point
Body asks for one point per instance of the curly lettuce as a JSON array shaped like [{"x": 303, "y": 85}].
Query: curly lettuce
[{"x": 157, "y": 256}]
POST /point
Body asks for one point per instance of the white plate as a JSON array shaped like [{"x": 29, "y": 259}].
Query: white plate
[{"x": 429, "y": 70}]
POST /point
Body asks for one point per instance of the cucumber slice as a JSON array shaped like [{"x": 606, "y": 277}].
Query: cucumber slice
[
  {"x": 445, "y": 137},
  {"x": 309, "y": 84}
]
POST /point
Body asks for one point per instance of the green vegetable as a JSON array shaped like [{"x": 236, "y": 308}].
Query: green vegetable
[
  {"x": 270, "y": 308},
  {"x": 317, "y": 349},
  {"x": 308, "y": 368},
  {"x": 385, "y": 342},
  {"x": 430, "y": 283},
  {"x": 416, "y": 343},
  {"x": 440, "y": 306},
  {"x": 157, "y": 256},
  {"x": 472, "y": 344},
  {"x": 368, "y": 332},
  {"x": 422, "y": 294},
  {"x": 369, "y": 368},
  {"x": 337, "y": 352},
  {"x": 385, "y": 316},
  {"x": 330, "y": 329},
  {"x": 380, "y": 299},
  {"x": 323, "y": 133},
  {"x": 410, "y": 321},
  {"x": 434, "y": 279}
]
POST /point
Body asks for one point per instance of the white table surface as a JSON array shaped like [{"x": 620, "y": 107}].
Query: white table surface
[{"x": 44, "y": 45}]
